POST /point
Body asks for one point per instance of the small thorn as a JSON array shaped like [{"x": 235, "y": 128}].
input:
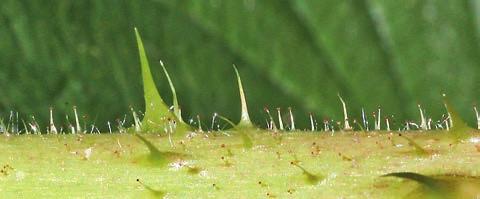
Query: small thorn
[
  {"x": 347, "y": 126},
  {"x": 280, "y": 122},
  {"x": 388, "y": 123},
  {"x": 34, "y": 126},
  {"x": 459, "y": 129},
  {"x": 224, "y": 119},
  {"x": 326, "y": 125},
  {"x": 378, "y": 118},
  {"x": 213, "y": 120},
  {"x": 423, "y": 121},
  {"x": 455, "y": 121},
  {"x": 444, "y": 120},
  {"x": 92, "y": 128},
  {"x": 52, "y": 128},
  {"x": 429, "y": 124},
  {"x": 292, "y": 120},
  {"x": 109, "y": 127},
  {"x": 199, "y": 124},
  {"x": 364, "y": 120},
  {"x": 136, "y": 121},
  {"x": 478, "y": 117},
  {"x": 271, "y": 123},
  {"x": 25, "y": 127},
  {"x": 449, "y": 118},
  {"x": 77, "y": 122},
  {"x": 447, "y": 123},
  {"x": 72, "y": 129},
  {"x": 312, "y": 123}
]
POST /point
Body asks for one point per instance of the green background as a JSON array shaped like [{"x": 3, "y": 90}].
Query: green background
[{"x": 296, "y": 53}]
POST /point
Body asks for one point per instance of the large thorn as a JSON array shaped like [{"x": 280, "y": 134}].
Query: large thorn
[{"x": 245, "y": 118}]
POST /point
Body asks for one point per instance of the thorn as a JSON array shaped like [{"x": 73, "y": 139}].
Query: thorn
[
  {"x": 292, "y": 121},
  {"x": 109, "y": 127},
  {"x": 224, "y": 119},
  {"x": 176, "y": 108},
  {"x": 120, "y": 124},
  {"x": 34, "y": 126},
  {"x": 7, "y": 129},
  {"x": 72, "y": 129},
  {"x": 77, "y": 122},
  {"x": 199, "y": 124},
  {"x": 17, "y": 129},
  {"x": 347, "y": 126},
  {"x": 52, "y": 129},
  {"x": 429, "y": 124},
  {"x": 364, "y": 120},
  {"x": 246, "y": 137},
  {"x": 271, "y": 124},
  {"x": 312, "y": 123},
  {"x": 326, "y": 126},
  {"x": 478, "y": 117},
  {"x": 415, "y": 125},
  {"x": 25, "y": 127},
  {"x": 459, "y": 129},
  {"x": 377, "y": 123},
  {"x": 136, "y": 121},
  {"x": 388, "y": 123},
  {"x": 359, "y": 125},
  {"x": 96, "y": 129},
  {"x": 455, "y": 120},
  {"x": 445, "y": 120},
  {"x": 245, "y": 118},
  {"x": 449, "y": 118},
  {"x": 280, "y": 122},
  {"x": 423, "y": 121},
  {"x": 213, "y": 120},
  {"x": 155, "y": 108}
]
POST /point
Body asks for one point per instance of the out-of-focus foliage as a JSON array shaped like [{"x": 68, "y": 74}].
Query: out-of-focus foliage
[{"x": 290, "y": 53}]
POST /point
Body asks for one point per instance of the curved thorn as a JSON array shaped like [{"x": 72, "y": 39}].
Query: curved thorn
[
  {"x": 245, "y": 118},
  {"x": 280, "y": 122},
  {"x": 347, "y": 126},
  {"x": 458, "y": 128},
  {"x": 225, "y": 119},
  {"x": 176, "y": 107},
  {"x": 456, "y": 120}
]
